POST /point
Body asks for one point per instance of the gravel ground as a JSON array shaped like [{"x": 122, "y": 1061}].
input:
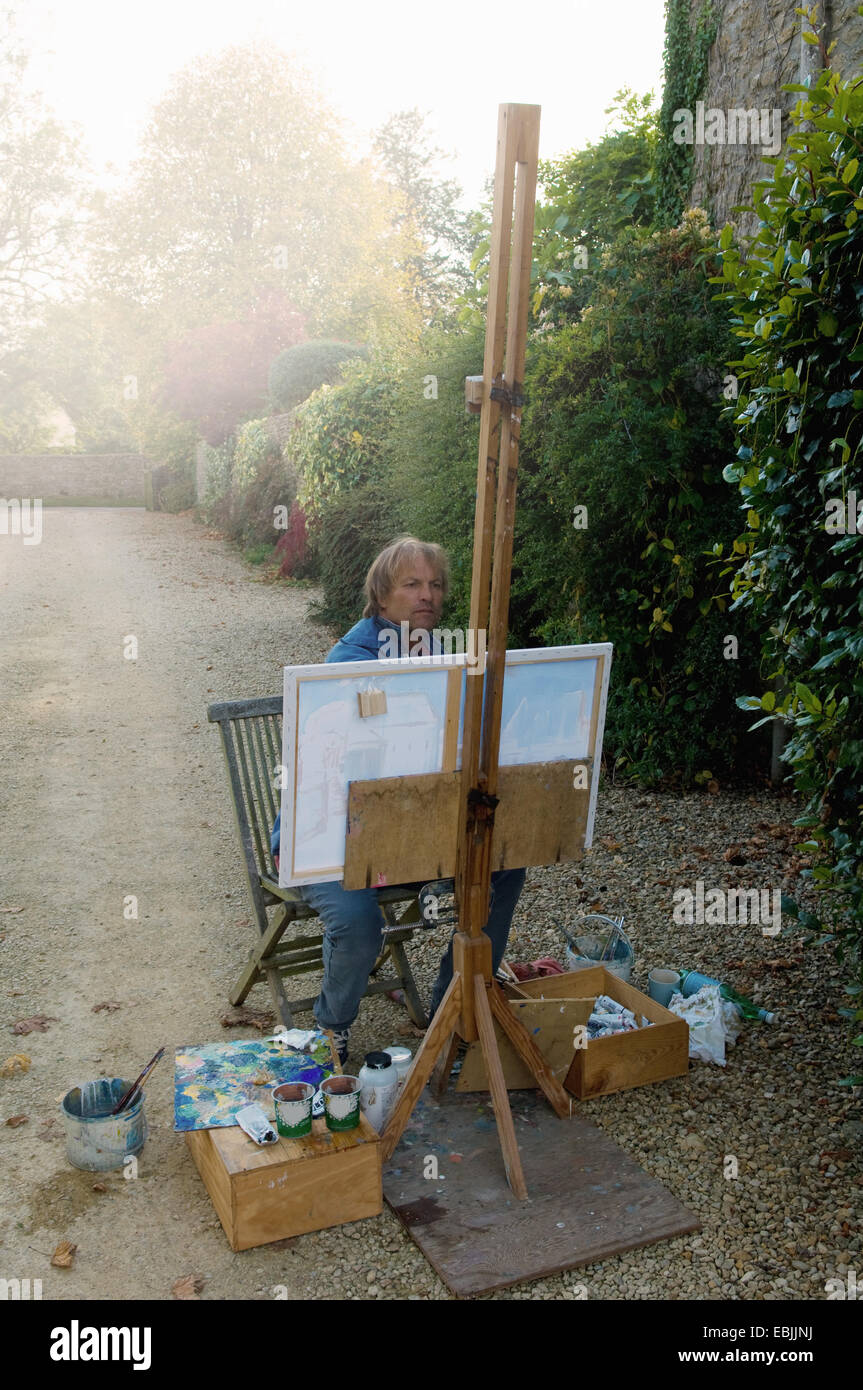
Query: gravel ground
[{"x": 115, "y": 788}]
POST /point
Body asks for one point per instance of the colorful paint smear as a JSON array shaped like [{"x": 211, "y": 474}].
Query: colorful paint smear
[{"x": 212, "y": 1081}]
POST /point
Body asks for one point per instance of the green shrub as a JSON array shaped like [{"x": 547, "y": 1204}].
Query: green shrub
[
  {"x": 218, "y": 465},
  {"x": 796, "y": 297},
  {"x": 261, "y": 481},
  {"x": 623, "y": 419},
  {"x": 431, "y": 454},
  {"x": 300, "y": 370},
  {"x": 339, "y": 434},
  {"x": 177, "y": 496},
  {"x": 352, "y": 530}
]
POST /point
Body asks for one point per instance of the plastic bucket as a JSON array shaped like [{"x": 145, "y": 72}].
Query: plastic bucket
[
  {"x": 584, "y": 951},
  {"x": 95, "y": 1139}
]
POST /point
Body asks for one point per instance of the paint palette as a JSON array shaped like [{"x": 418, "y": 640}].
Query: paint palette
[{"x": 212, "y": 1081}]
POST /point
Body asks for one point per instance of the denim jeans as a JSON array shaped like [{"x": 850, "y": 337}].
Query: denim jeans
[{"x": 353, "y": 921}]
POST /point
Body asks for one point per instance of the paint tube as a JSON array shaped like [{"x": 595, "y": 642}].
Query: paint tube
[
  {"x": 606, "y": 1005},
  {"x": 253, "y": 1121},
  {"x": 298, "y": 1038}
]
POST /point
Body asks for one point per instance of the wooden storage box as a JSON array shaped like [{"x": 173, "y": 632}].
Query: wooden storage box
[
  {"x": 267, "y": 1192},
  {"x": 622, "y": 1060}
]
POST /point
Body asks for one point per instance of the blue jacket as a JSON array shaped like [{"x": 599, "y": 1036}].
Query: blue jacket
[{"x": 361, "y": 643}]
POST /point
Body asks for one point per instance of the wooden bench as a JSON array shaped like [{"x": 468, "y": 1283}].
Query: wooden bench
[{"x": 251, "y": 733}]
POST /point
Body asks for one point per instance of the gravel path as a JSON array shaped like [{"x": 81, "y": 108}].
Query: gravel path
[{"x": 114, "y": 789}]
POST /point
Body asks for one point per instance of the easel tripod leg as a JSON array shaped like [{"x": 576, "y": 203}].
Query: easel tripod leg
[
  {"x": 443, "y": 1067},
  {"x": 530, "y": 1054},
  {"x": 439, "y": 1032},
  {"x": 497, "y": 1086}
]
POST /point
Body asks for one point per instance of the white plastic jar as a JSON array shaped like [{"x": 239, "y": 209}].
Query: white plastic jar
[
  {"x": 379, "y": 1088},
  {"x": 403, "y": 1058}
]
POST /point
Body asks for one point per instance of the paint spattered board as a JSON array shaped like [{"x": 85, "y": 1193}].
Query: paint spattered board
[
  {"x": 551, "y": 1023},
  {"x": 587, "y": 1199}
]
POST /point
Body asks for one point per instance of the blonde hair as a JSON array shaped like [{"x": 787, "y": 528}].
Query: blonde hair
[{"x": 383, "y": 575}]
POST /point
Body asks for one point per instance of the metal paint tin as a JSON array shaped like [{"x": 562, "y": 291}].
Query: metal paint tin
[
  {"x": 341, "y": 1102},
  {"x": 293, "y": 1106},
  {"x": 96, "y": 1140}
]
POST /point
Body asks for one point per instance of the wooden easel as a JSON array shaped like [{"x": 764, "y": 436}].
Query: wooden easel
[{"x": 473, "y": 999}]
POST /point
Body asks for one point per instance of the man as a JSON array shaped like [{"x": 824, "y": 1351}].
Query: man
[{"x": 407, "y": 583}]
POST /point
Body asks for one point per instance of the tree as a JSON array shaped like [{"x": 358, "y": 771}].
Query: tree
[
  {"x": 218, "y": 374},
  {"x": 41, "y": 215},
  {"x": 428, "y": 210},
  {"x": 244, "y": 185},
  {"x": 41, "y": 168},
  {"x": 589, "y": 197}
]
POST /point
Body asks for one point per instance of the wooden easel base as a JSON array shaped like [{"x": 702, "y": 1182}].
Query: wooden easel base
[
  {"x": 468, "y": 1002},
  {"x": 588, "y": 1199}
]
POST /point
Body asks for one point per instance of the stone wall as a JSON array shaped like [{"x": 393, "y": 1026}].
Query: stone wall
[
  {"x": 75, "y": 479},
  {"x": 758, "y": 47}
]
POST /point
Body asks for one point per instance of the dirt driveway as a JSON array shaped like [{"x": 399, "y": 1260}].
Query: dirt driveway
[
  {"x": 115, "y": 790},
  {"x": 120, "y": 884}
]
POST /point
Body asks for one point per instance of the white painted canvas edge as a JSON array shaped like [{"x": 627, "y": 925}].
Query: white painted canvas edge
[{"x": 337, "y": 669}]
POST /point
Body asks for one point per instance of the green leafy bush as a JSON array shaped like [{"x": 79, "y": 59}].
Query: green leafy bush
[
  {"x": 340, "y": 432},
  {"x": 355, "y": 526},
  {"x": 218, "y": 465},
  {"x": 431, "y": 454},
  {"x": 588, "y": 198},
  {"x": 623, "y": 420},
  {"x": 247, "y": 478},
  {"x": 300, "y": 370},
  {"x": 796, "y": 295},
  {"x": 261, "y": 481}
]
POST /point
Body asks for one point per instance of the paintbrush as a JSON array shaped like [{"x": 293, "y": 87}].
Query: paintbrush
[{"x": 136, "y": 1085}]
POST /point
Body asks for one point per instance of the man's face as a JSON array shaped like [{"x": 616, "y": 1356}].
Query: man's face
[{"x": 416, "y": 596}]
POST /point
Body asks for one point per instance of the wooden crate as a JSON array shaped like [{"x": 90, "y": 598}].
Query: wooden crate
[
  {"x": 267, "y": 1192},
  {"x": 622, "y": 1060}
]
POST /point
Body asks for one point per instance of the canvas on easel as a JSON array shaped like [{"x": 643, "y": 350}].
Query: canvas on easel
[{"x": 553, "y": 712}]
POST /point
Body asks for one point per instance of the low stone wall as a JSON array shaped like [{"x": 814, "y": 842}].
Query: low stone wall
[{"x": 75, "y": 479}]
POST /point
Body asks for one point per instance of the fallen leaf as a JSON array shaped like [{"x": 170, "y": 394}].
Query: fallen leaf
[
  {"x": 108, "y": 1006},
  {"x": 188, "y": 1287},
  {"x": 608, "y": 842},
  {"x": 64, "y": 1255},
  {"x": 713, "y": 786},
  {"x": 15, "y": 1120},
  {"x": 733, "y": 855},
  {"x": 410, "y": 1030},
  {"x": 11, "y": 909},
  {"x": 47, "y": 1131},
  {"x": 19, "y": 1061},
  {"x": 99, "y": 1187},
  {"x": 262, "y": 1019},
  {"x": 842, "y": 1154},
  {"x": 37, "y": 1023},
  {"x": 261, "y": 1078}
]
